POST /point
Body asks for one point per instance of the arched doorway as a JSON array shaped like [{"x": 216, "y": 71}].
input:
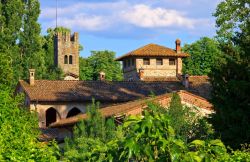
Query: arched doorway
[
  {"x": 51, "y": 114},
  {"x": 73, "y": 112}
]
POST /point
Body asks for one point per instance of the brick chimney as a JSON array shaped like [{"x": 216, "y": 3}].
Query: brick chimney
[
  {"x": 178, "y": 45},
  {"x": 32, "y": 77},
  {"x": 102, "y": 76}
]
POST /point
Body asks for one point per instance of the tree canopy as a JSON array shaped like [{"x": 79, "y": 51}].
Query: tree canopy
[
  {"x": 100, "y": 61},
  {"x": 204, "y": 54},
  {"x": 230, "y": 76}
]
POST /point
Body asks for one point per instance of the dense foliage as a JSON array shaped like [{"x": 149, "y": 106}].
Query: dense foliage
[
  {"x": 150, "y": 137},
  {"x": 19, "y": 132},
  {"x": 100, "y": 61},
  {"x": 204, "y": 54},
  {"x": 230, "y": 76},
  {"x": 90, "y": 136}
]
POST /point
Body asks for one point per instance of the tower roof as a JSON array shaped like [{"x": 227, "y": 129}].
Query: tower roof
[{"x": 153, "y": 50}]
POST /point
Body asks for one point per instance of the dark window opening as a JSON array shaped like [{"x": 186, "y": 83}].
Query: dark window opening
[
  {"x": 159, "y": 61},
  {"x": 146, "y": 61},
  {"x": 50, "y": 116},
  {"x": 124, "y": 64},
  {"x": 171, "y": 61},
  {"x": 128, "y": 62},
  {"x": 133, "y": 62},
  {"x": 70, "y": 59},
  {"x": 65, "y": 59},
  {"x": 73, "y": 112}
]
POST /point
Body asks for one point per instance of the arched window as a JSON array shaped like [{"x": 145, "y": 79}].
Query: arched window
[
  {"x": 70, "y": 59},
  {"x": 51, "y": 114},
  {"x": 65, "y": 59},
  {"x": 73, "y": 112}
]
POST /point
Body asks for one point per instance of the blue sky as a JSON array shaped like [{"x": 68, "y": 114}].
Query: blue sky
[{"x": 125, "y": 25}]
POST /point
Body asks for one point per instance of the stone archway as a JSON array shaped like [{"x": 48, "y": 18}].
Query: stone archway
[
  {"x": 73, "y": 112},
  {"x": 51, "y": 116}
]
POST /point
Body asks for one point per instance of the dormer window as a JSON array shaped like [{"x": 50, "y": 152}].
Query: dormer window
[
  {"x": 146, "y": 61},
  {"x": 159, "y": 61}
]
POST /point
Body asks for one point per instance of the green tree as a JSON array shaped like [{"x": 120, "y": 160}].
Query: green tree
[
  {"x": 204, "y": 54},
  {"x": 19, "y": 131},
  {"x": 91, "y": 137},
  {"x": 86, "y": 70},
  {"x": 11, "y": 13},
  {"x": 230, "y": 76},
  {"x": 101, "y": 61},
  {"x": 30, "y": 41}
]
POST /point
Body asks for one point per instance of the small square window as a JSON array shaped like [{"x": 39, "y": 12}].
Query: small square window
[
  {"x": 171, "y": 61},
  {"x": 159, "y": 61},
  {"x": 146, "y": 61}
]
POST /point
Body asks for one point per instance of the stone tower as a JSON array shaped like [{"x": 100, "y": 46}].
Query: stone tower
[{"x": 66, "y": 51}]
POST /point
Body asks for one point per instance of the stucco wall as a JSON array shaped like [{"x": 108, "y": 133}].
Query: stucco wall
[{"x": 62, "y": 110}]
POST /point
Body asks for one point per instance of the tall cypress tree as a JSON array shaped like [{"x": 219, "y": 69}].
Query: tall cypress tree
[{"x": 31, "y": 41}]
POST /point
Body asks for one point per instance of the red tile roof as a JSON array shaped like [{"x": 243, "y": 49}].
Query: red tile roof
[
  {"x": 153, "y": 50},
  {"x": 79, "y": 91},
  {"x": 124, "y": 108}
]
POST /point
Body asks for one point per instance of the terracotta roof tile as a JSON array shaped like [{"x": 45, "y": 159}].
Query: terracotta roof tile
[
  {"x": 153, "y": 50},
  {"x": 121, "y": 109},
  {"x": 67, "y": 91}
]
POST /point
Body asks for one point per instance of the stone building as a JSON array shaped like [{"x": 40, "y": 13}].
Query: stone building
[
  {"x": 60, "y": 99},
  {"x": 66, "y": 54},
  {"x": 57, "y": 102},
  {"x": 153, "y": 62}
]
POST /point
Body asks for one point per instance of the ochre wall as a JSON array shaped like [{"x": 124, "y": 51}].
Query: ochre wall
[
  {"x": 153, "y": 70},
  {"x": 65, "y": 44}
]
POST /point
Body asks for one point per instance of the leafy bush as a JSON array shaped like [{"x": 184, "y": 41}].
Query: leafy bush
[
  {"x": 19, "y": 132},
  {"x": 150, "y": 137}
]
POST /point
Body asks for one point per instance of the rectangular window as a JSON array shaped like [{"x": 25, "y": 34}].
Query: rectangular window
[
  {"x": 128, "y": 62},
  {"x": 124, "y": 64},
  {"x": 159, "y": 61},
  {"x": 146, "y": 61},
  {"x": 171, "y": 61},
  {"x": 133, "y": 62}
]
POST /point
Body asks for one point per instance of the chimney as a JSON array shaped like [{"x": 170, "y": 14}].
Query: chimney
[
  {"x": 101, "y": 76},
  {"x": 32, "y": 77},
  {"x": 178, "y": 45}
]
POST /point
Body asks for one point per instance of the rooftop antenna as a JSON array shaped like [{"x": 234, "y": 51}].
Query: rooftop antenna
[{"x": 56, "y": 11}]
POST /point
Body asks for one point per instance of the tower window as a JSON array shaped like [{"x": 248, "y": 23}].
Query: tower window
[
  {"x": 70, "y": 59},
  {"x": 146, "y": 61},
  {"x": 65, "y": 59},
  {"x": 159, "y": 61},
  {"x": 171, "y": 61}
]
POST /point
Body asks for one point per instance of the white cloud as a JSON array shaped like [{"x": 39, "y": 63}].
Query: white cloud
[
  {"x": 148, "y": 17},
  {"x": 123, "y": 16},
  {"x": 82, "y": 21}
]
